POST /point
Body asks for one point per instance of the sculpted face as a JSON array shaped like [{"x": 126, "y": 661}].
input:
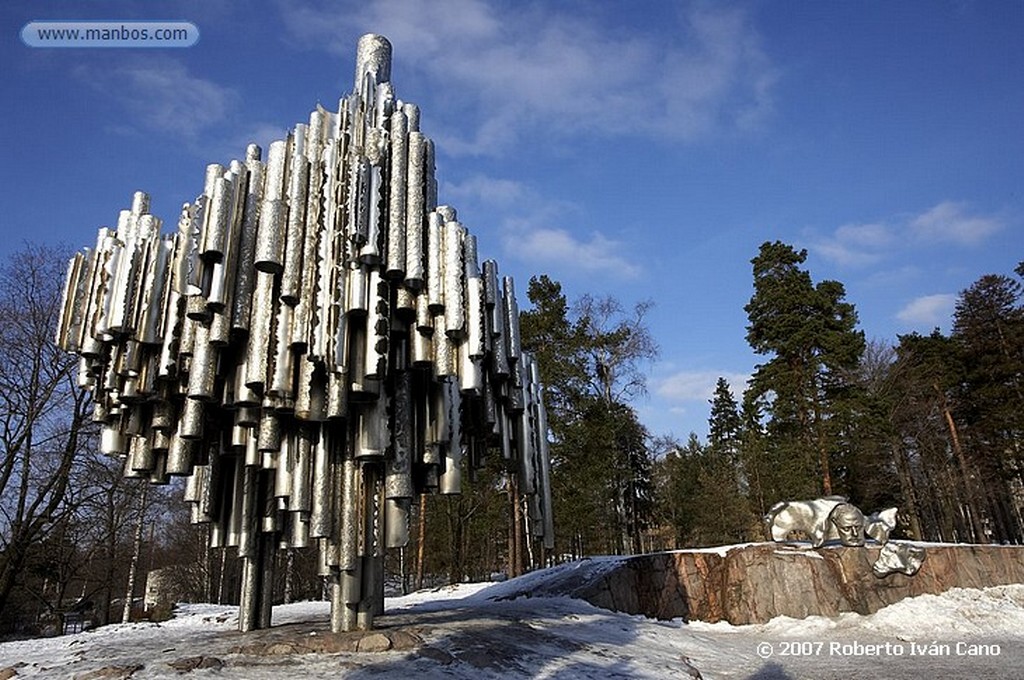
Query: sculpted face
[{"x": 849, "y": 524}]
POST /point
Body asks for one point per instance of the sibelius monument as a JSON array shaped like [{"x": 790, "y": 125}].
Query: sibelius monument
[{"x": 315, "y": 345}]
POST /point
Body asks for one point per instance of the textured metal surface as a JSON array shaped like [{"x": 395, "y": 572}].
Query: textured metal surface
[
  {"x": 832, "y": 518},
  {"x": 315, "y": 344}
]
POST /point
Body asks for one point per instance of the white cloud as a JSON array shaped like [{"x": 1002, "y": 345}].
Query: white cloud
[
  {"x": 698, "y": 385},
  {"x": 507, "y": 69},
  {"x": 530, "y": 233},
  {"x": 928, "y": 310},
  {"x": 858, "y": 245},
  {"x": 546, "y": 246},
  {"x": 489, "y": 191},
  {"x": 949, "y": 222},
  {"x": 164, "y": 96}
]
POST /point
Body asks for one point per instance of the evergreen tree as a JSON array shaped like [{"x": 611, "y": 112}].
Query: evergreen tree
[
  {"x": 868, "y": 473},
  {"x": 929, "y": 446},
  {"x": 679, "y": 491},
  {"x": 722, "y": 475},
  {"x": 810, "y": 333},
  {"x": 988, "y": 333},
  {"x": 590, "y": 355}
]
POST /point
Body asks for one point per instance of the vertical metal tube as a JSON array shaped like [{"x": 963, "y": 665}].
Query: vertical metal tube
[
  {"x": 544, "y": 457},
  {"x": 270, "y": 239},
  {"x": 218, "y": 223},
  {"x": 414, "y": 212},
  {"x": 512, "y": 320},
  {"x": 202, "y": 371},
  {"x": 451, "y": 475},
  {"x": 281, "y": 382},
  {"x": 298, "y": 184},
  {"x": 245, "y": 273},
  {"x": 260, "y": 324},
  {"x": 373, "y": 61},
  {"x": 378, "y": 328},
  {"x": 435, "y": 263},
  {"x": 396, "y": 245},
  {"x": 320, "y": 502},
  {"x": 454, "y": 270}
]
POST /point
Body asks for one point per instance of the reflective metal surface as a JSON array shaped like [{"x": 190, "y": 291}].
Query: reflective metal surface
[
  {"x": 834, "y": 519},
  {"x": 312, "y": 347}
]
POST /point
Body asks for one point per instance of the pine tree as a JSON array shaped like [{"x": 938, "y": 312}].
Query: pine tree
[
  {"x": 589, "y": 355},
  {"x": 928, "y": 426},
  {"x": 988, "y": 332},
  {"x": 810, "y": 332},
  {"x": 723, "y": 478}
]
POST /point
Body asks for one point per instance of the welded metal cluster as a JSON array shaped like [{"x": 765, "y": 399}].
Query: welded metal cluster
[{"x": 315, "y": 345}]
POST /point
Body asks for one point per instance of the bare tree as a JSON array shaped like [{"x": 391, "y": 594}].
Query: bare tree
[
  {"x": 43, "y": 413},
  {"x": 619, "y": 344}
]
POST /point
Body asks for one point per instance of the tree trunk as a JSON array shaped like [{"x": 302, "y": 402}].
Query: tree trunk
[
  {"x": 133, "y": 566},
  {"x": 420, "y": 541},
  {"x": 906, "y": 481},
  {"x": 289, "y": 576},
  {"x": 516, "y": 539},
  {"x": 969, "y": 487}
]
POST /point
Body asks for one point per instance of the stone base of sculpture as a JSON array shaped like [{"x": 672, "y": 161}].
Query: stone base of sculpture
[{"x": 757, "y": 582}]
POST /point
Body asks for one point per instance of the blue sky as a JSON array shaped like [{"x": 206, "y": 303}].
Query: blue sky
[{"x": 639, "y": 149}]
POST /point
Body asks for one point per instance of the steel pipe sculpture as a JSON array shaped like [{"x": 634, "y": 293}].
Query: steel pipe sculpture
[{"x": 314, "y": 346}]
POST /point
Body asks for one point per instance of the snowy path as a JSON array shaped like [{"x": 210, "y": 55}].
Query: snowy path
[{"x": 467, "y": 633}]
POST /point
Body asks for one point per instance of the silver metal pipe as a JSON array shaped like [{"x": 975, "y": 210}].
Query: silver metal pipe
[
  {"x": 260, "y": 323},
  {"x": 398, "y": 481},
  {"x": 218, "y": 221},
  {"x": 370, "y": 253},
  {"x": 320, "y": 524},
  {"x": 378, "y": 327},
  {"x": 435, "y": 262},
  {"x": 475, "y": 314},
  {"x": 445, "y": 360},
  {"x": 281, "y": 370},
  {"x": 396, "y": 522},
  {"x": 203, "y": 369},
  {"x": 270, "y": 239},
  {"x": 453, "y": 274},
  {"x": 451, "y": 475},
  {"x": 397, "y": 191},
  {"x": 414, "y": 210},
  {"x": 298, "y": 184},
  {"x": 429, "y": 178},
  {"x": 277, "y": 169},
  {"x": 245, "y": 274},
  {"x": 70, "y": 302},
  {"x": 180, "y": 455},
  {"x": 373, "y": 62},
  {"x": 513, "y": 344}
]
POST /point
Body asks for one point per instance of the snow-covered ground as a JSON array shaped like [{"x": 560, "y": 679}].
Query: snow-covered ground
[{"x": 491, "y": 630}]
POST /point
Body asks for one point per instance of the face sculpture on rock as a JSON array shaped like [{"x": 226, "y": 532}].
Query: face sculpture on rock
[
  {"x": 848, "y": 523},
  {"x": 833, "y": 518}
]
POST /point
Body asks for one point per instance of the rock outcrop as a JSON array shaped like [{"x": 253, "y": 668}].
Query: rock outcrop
[{"x": 757, "y": 582}]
